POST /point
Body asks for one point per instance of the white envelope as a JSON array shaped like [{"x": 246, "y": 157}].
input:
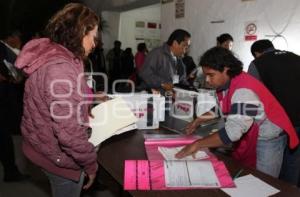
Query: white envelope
[{"x": 109, "y": 118}]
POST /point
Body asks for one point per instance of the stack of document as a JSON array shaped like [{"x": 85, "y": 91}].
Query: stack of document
[{"x": 112, "y": 117}]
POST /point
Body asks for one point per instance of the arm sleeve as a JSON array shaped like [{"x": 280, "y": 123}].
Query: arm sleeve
[
  {"x": 183, "y": 78},
  {"x": 65, "y": 104},
  {"x": 149, "y": 70},
  {"x": 245, "y": 106},
  {"x": 253, "y": 71},
  {"x": 224, "y": 137}
]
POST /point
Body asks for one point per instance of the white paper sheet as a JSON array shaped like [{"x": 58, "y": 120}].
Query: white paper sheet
[
  {"x": 190, "y": 174},
  {"x": 109, "y": 118},
  {"x": 249, "y": 186},
  {"x": 128, "y": 128},
  {"x": 169, "y": 153}
]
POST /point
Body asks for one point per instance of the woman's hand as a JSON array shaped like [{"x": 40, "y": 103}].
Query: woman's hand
[
  {"x": 91, "y": 180},
  {"x": 100, "y": 97}
]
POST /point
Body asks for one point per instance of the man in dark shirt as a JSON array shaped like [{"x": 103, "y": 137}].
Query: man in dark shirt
[
  {"x": 163, "y": 66},
  {"x": 280, "y": 72}
]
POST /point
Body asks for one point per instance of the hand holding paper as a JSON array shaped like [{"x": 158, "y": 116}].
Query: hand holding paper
[{"x": 109, "y": 118}]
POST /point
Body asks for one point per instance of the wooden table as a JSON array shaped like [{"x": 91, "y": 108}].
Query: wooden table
[{"x": 130, "y": 146}]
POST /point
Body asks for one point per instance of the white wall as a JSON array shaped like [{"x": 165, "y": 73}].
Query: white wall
[
  {"x": 111, "y": 33},
  {"x": 128, "y": 19},
  {"x": 278, "y": 15}
]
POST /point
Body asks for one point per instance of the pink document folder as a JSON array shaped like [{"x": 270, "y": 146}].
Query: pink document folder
[{"x": 149, "y": 175}]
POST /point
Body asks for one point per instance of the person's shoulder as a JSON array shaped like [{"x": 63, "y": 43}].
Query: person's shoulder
[
  {"x": 158, "y": 52},
  {"x": 245, "y": 95},
  {"x": 158, "y": 49}
]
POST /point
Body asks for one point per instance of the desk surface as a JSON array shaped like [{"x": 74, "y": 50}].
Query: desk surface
[{"x": 130, "y": 146}]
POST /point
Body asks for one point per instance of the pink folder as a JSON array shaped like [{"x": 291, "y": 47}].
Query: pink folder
[{"x": 149, "y": 175}]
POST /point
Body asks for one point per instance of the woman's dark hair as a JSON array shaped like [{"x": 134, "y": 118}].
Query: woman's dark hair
[
  {"x": 178, "y": 35},
  {"x": 69, "y": 25},
  {"x": 223, "y": 38},
  {"x": 141, "y": 47},
  {"x": 218, "y": 58},
  {"x": 128, "y": 50}
]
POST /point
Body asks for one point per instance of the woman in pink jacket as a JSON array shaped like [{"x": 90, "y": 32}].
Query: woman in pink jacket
[
  {"x": 54, "y": 134},
  {"x": 139, "y": 60}
]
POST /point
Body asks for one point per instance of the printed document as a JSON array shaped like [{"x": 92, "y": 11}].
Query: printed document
[{"x": 190, "y": 174}]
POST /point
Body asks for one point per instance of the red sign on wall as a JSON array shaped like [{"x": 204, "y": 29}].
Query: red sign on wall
[
  {"x": 250, "y": 32},
  {"x": 250, "y": 37}
]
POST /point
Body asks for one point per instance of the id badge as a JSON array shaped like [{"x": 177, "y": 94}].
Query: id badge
[{"x": 175, "y": 79}]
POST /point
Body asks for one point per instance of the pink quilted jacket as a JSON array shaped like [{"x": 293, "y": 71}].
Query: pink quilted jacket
[{"x": 54, "y": 136}]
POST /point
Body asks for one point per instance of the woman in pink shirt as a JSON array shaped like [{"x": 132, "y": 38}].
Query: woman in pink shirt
[{"x": 139, "y": 61}]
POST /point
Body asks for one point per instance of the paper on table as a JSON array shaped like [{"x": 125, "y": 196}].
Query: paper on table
[
  {"x": 190, "y": 174},
  {"x": 169, "y": 153},
  {"x": 109, "y": 118},
  {"x": 249, "y": 185}
]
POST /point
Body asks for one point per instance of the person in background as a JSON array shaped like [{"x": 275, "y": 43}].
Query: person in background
[
  {"x": 11, "y": 94},
  {"x": 139, "y": 60},
  {"x": 255, "y": 121},
  {"x": 163, "y": 66},
  {"x": 140, "y": 55},
  {"x": 10, "y": 45},
  {"x": 190, "y": 67},
  {"x": 113, "y": 58},
  {"x": 54, "y": 136},
  {"x": 127, "y": 60},
  {"x": 189, "y": 63},
  {"x": 280, "y": 71},
  {"x": 225, "y": 40},
  {"x": 98, "y": 65}
]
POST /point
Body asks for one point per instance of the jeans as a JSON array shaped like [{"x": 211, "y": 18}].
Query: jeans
[
  {"x": 62, "y": 187},
  {"x": 290, "y": 170},
  {"x": 270, "y": 155}
]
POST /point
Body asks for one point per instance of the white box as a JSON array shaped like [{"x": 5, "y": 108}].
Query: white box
[
  {"x": 148, "y": 108},
  {"x": 186, "y": 102}
]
